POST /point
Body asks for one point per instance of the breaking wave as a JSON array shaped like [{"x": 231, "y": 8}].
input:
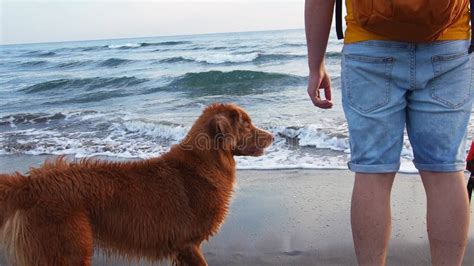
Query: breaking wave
[
  {"x": 237, "y": 82},
  {"x": 114, "y": 62},
  {"x": 86, "y": 83}
]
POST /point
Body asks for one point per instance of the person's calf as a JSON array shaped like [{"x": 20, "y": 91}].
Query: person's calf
[
  {"x": 447, "y": 216},
  {"x": 371, "y": 217}
]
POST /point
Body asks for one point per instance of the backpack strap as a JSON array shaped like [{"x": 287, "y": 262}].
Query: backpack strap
[
  {"x": 339, "y": 31},
  {"x": 471, "y": 6}
]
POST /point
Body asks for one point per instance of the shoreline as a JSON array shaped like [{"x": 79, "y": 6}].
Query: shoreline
[
  {"x": 10, "y": 163},
  {"x": 301, "y": 217}
]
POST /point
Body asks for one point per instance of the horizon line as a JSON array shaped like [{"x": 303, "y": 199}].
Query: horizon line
[{"x": 157, "y": 36}]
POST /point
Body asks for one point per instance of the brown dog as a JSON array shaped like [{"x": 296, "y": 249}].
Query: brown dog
[{"x": 161, "y": 208}]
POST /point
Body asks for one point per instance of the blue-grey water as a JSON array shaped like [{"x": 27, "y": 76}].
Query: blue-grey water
[{"x": 137, "y": 97}]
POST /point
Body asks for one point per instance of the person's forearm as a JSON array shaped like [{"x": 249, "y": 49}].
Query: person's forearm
[{"x": 318, "y": 18}]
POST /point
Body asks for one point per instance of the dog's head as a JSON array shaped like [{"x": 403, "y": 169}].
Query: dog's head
[{"x": 228, "y": 127}]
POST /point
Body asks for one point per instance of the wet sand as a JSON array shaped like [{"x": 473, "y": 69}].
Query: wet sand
[{"x": 301, "y": 217}]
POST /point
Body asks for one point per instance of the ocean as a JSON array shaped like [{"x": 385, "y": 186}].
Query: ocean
[{"x": 134, "y": 98}]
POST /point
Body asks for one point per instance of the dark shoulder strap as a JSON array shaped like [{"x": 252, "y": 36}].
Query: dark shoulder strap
[
  {"x": 471, "y": 5},
  {"x": 340, "y": 33}
]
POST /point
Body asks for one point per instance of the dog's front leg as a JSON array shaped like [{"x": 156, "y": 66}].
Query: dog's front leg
[{"x": 190, "y": 256}]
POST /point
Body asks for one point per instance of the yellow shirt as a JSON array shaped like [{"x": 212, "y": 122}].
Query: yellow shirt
[{"x": 460, "y": 30}]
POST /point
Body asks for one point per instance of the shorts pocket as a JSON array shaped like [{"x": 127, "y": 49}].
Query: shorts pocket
[
  {"x": 452, "y": 82},
  {"x": 368, "y": 81}
]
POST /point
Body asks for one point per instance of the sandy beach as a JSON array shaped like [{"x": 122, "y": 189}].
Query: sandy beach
[{"x": 300, "y": 217}]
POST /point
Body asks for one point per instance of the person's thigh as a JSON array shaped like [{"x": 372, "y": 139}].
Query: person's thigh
[
  {"x": 374, "y": 104},
  {"x": 438, "y": 113}
]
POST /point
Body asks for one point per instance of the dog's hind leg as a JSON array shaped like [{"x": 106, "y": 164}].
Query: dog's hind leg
[
  {"x": 49, "y": 241},
  {"x": 190, "y": 256}
]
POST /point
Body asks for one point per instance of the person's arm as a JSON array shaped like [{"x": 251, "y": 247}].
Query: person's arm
[{"x": 318, "y": 18}]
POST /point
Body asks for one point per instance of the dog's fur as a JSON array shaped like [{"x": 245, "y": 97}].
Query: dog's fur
[{"x": 160, "y": 208}]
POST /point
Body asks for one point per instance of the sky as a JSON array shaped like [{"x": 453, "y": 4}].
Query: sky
[{"x": 32, "y": 21}]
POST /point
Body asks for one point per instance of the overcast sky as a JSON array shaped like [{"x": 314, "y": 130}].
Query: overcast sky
[{"x": 26, "y": 21}]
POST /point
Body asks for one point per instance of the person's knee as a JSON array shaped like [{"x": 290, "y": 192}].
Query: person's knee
[
  {"x": 439, "y": 185},
  {"x": 442, "y": 179},
  {"x": 374, "y": 181}
]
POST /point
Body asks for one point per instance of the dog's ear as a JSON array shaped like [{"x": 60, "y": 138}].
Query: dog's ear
[
  {"x": 220, "y": 125},
  {"x": 235, "y": 117},
  {"x": 222, "y": 132},
  {"x": 225, "y": 123}
]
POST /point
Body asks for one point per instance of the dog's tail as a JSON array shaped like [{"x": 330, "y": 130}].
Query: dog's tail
[{"x": 14, "y": 196}]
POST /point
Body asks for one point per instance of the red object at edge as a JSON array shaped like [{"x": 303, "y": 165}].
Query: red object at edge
[{"x": 470, "y": 158}]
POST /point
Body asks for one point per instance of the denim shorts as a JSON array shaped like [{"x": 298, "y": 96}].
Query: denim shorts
[{"x": 388, "y": 85}]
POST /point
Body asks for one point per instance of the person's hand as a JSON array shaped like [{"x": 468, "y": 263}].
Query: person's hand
[{"x": 317, "y": 81}]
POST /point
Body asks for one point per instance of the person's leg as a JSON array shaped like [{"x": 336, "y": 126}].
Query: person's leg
[
  {"x": 439, "y": 108},
  {"x": 373, "y": 95},
  {"x": 447, "y": 216},
  {"x": 371, "y": 217}
]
